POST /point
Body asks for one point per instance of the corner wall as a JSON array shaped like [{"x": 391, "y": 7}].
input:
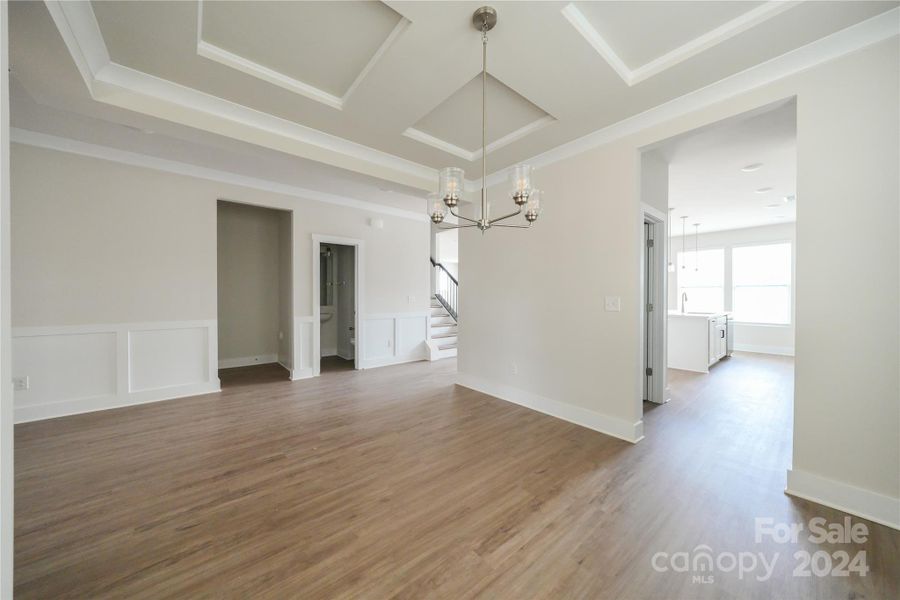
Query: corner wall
[{"x": 536, "y": 332}]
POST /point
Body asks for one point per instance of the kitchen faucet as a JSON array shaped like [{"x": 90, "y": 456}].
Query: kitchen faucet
[{"x": 683, "y": 301}]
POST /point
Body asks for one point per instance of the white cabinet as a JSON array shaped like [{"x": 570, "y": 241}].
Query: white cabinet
[
  {"x": 696, "y": 341},
  {"x": 718, "y": 338}
]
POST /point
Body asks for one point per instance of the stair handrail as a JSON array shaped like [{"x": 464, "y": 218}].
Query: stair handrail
[
  {"x": 447, "y": 296},
  {"x": 444, "y": 269}
]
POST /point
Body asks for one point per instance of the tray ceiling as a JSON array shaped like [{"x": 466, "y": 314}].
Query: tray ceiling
[{"x": 390, "y": 89}]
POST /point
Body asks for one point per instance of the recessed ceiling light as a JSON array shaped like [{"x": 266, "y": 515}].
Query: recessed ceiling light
[
  {"x": 751, "y": 168},
  {"x": 764, "y": 190},
  {"x": 777, "y": 205},
  {"x": 788, "y": 198}
]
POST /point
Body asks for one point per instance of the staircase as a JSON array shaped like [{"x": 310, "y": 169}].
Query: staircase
[
  {"x": 443, "y": 331},
  {"x": 444, "y": 315}
]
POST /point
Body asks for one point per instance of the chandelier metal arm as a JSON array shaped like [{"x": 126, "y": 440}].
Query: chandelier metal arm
[
  {"x": 463, "y": 218},
  {"x": 510, "y": 215},
  {"x": 516, "y": 226},
  {"x": 456, "y": 226}
]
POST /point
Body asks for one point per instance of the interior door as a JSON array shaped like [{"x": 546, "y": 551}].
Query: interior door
[{"x": 649, "y": 294}]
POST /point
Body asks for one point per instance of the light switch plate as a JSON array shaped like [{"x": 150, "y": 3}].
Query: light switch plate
[
  {"x": 20, "y": 384},
  {"x": 613, "y": 304}
]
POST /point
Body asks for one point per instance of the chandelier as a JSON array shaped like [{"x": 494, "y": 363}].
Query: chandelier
[{"x": 451, "y": 179}]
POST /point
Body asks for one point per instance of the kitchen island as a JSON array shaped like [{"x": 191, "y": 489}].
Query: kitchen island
[{"x": 696, "y": 341}]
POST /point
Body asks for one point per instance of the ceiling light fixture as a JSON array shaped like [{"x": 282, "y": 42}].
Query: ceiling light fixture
[
  {"x": 751, "y": 168},
  {"x": 764, "y": 190},
  {"x": 789, "y": 198},
  {"x": 451, "y": 179}
]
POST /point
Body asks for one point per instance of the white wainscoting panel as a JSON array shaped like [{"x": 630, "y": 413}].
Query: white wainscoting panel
[
  {"x": 394, "y": 338},
  {"x": 68, "y": 365},
  {"x": 379, "y": 339},
  {"x": 83, "y": 368},
  {"x": 163, "y": 358},
  {"x": 303, "y": 348}
]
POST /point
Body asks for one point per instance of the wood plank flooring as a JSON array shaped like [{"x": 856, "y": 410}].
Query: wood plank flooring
[{"x": 394, "y": 483}]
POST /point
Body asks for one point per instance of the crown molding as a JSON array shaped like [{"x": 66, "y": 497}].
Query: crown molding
[
  {"x": 469, "y": 155},
  {"x": 72, "y": 146},
  {"x": 712, "y": 38},
  {"x": 115, "y": 84},
  {"x": 254, "y": 69},
  {"x": 851, "y": 39}
]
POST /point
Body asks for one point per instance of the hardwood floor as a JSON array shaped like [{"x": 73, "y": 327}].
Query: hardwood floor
[{"x": 394, "y": 482}]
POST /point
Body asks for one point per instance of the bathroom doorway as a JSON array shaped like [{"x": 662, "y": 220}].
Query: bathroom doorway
[{"x": 336, "y": 304}]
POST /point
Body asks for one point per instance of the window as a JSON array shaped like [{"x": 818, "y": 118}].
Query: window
[
  {"x": 701, "y": 275},
  {"x": 762, "y": 283}
]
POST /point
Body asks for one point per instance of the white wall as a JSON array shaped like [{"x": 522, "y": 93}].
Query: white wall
[
  {"x": 750, "y": 337},
  {"x": 563, "y": 354},
  {"x": 6, "y": 396},
  {"x": 249, "y": 284},
  {"x": 106, "y": 249}
]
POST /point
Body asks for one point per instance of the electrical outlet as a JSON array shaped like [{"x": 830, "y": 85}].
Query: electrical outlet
[
  {"x": 280, "y": 335},
  {"x": 20, "y": 384},
  {"x": 515, "y": 368},
  {"x": 613, "y": 304},
  {"x": 410, "y": 299}
]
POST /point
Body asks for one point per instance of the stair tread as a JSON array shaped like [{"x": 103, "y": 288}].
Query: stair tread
[
  {"x": 444, "y": 335},
  {"x": 447, "y": 347}
]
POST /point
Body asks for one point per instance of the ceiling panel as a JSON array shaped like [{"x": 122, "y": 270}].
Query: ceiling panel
[
  {"x": 457, "y": 119},
  {"x": 323, "y": 44},
  {"x": 639, "y": 32}
]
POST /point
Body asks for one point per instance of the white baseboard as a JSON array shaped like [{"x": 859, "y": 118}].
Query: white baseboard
[
  {"x": 390, "y": 360},
  {"x": 619, "y": 428},
  {"x": 298, "y": 374},
  {"x": 328, "y": 352},
  {"x": 246, "y": 361},
  {"x": 779, "y": 350},
  {"x": 842, "y": 496},
  {"x": 63, "y": 408}
]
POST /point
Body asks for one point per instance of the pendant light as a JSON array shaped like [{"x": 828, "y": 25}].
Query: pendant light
[
  {"x": 451, "y": 179},
  {"x": 696, "y": 246}
]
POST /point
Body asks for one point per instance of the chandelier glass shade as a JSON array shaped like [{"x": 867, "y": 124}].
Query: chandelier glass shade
[{"x": 451, "y": 180}]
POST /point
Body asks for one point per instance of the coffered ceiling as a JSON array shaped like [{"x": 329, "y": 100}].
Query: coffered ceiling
[{"x": 392, "y": 89}]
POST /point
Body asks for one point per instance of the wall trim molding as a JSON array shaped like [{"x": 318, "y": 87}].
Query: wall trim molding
[
  {"x": 72, "y": 146},
  {"x": 65, "y": 408},
  {"x": 473, "y": 155},
  {"x": 848, "y": 40},
  {"x": 118, "y": 85},
  {"x": 130, "y": 379},
  {"x": 779, "y": 350},
  {"x": 691, "y": 48},
  {"x": 246, "y": 361},
  {"x": 864, "y": 503},
  {"x": 254, "y": 69},
  {"x": 613, "y": 426}
]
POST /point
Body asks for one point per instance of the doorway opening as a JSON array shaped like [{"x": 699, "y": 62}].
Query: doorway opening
[
  {"x": 337, "y": 307},
  {"x": 728, "y": 192},
  {"x": 338, "y": 297},
  {"x": 254, "y": 293}
]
